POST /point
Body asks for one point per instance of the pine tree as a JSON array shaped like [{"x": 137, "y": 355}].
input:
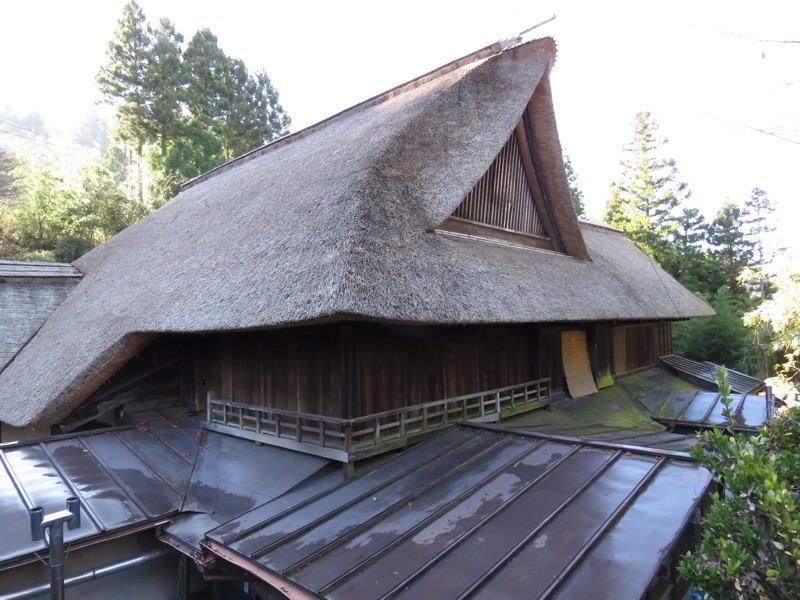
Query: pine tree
[
  {"x": 123, "y": 80},
  {"x": 191, "y": 108},
  {"x": 756, "y": 217},
  {"x": 645, "y": 198},
  {"x": 574, "y": 190},
  {"x": 165, "y": 88},
  {"x": 730, "y": 248},
  {"x": 691, "y": 265}
]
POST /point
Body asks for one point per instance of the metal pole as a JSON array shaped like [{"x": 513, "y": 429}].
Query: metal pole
[
  {"x": 769, "y": 400},
  {"x": 57, "y": 560},
  {"x": 51, "y": 528}
]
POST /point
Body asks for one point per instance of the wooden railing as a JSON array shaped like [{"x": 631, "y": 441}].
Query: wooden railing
[{"x": 350, "y": 439}]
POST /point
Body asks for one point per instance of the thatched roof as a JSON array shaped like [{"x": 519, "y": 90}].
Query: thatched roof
[{"x": 337, "y": 222}]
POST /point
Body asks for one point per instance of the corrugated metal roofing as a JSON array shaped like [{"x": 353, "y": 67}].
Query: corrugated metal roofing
[
  {"x": 124, "y": 478},
  {"x": 706, "y": 372},
  {"x": 705, "y": 409},
  {"x": 480, "y": 513},
  {"x": 163, "y": 466}
]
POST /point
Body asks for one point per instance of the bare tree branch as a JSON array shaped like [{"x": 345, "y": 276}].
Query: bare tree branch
[
  {"x": 787, "y": 135},
  {"x": 747, "y": 37}
]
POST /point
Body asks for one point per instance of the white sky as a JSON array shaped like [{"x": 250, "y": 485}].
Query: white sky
[{"x": 706, "y": 88}]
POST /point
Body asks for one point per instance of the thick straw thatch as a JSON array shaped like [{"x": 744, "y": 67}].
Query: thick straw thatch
[{"x": 335, "y": 223}]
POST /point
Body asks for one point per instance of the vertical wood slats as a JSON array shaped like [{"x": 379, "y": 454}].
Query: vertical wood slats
[{"x": 502, "y": 198}]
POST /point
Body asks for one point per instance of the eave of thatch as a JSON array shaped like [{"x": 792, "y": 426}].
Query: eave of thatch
[{"x": 339, "y": 222}]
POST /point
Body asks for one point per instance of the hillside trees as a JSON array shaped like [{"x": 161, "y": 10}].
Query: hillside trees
[
  {"x": 731, "y": 250},
  {"x": 180, "y": 110},
  {"x": 650, "y": 205},
  {"x": 646, "y": 195},
  {"x": 54, "y": 214},
  {"x": 190, "y": 103},
  {"x": 779, "y": 315}
]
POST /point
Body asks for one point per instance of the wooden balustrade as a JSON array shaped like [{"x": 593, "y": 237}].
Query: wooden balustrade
[{"x": 350, "y": 439}]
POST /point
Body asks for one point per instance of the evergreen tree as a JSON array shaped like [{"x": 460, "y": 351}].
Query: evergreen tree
[
  {"x": 123, "y": 80},
  {"x": 645, "y": 197},
  {"x": 730, "y": 248},
  {"x": 756, "y": 219},
  {"x": 691, "y": 264},
  {"x": 166, "y": 83},
  {"x": 192, "y": 108},
  {"x": 722, "y": 338},
  {"x": 574, "y": 190},
  {"x": 208, "y": 71}
]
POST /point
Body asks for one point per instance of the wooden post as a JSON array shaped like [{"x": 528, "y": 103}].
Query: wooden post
[
  {"x": 348, "y": 438},
  {"x": 209, "y": 400}
]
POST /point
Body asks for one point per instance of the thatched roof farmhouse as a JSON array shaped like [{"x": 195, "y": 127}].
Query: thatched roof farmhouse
[
  {"x": 345, "y": 221},
  {"x": 410, "y": 271}
]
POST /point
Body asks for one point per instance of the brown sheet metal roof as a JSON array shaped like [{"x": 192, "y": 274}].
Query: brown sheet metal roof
[
  {"x": 481, "y": 513},
  {"x": 705, "y": 373},
  {"x": 143, "y": 475}
]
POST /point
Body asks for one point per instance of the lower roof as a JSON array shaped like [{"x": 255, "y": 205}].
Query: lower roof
[
  {"x": 473, "y": 510},
  {"x": 480, "y": 513},
  {"x": 139, "y": 477}
]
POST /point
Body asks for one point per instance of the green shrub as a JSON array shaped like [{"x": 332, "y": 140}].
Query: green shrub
[{"x": 751, "y": 539}]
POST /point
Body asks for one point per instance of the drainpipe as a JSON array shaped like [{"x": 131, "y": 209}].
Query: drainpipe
[{"x": 91, "y": 575}]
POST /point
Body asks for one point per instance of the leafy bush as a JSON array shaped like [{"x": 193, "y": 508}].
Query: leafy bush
[
  {"x": 751, "y": 539},
  {"x": 69, "y": 249}
]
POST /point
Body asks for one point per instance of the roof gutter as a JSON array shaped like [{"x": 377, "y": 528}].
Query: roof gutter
[{"x": 92, "y": 574}]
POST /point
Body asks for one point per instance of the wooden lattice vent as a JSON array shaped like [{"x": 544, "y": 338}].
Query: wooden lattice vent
[
  {"x": 502, "y": 197},
  {"x": 507, "y": 203}
]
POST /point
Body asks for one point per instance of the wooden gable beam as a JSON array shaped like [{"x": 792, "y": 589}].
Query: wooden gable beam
[{"x": 536, "y": 191}]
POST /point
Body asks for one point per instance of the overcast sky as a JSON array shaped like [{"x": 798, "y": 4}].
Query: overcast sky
[{"x": 691, "y": 64}]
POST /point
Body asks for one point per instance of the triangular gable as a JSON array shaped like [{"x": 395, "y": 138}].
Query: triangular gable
[{"x": 509, "y": 202}]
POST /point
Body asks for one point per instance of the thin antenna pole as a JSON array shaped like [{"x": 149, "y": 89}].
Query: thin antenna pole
[{"x": 529, "y": 29}]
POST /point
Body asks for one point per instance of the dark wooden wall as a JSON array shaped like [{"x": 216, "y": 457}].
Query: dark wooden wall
[
  {"x": 407, "y": 366},
  {"x": 350, "y": 370},
  {"x": 292, "y": 370},
  {"x": 638, "y": 345},
  {"x": 347, "y": 370}
]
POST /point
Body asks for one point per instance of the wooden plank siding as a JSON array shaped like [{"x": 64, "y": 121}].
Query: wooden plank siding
[
  {"x": 350, "y": 370},
  {"x": 386, "y": 368},
  {"x": 299, "y": 374},
  {"x": 396, "y": 371},
  {"x": 639, "y": 345},
  {"x": 601, "y": 350}
]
